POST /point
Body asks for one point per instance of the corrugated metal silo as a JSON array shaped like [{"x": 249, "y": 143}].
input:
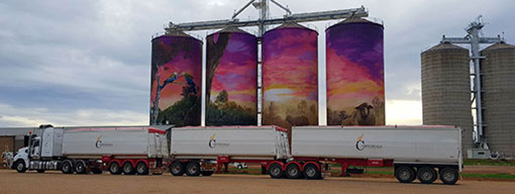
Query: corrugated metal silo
[
  {"x": 231, "y": 73},
  {"x": 176, "y": 79},
  {"x": 355, "y": 73},
  {"x": 290, "y": 76},
  {"x": 498, "y": 70},
  {"x": 446, "y": 89}
]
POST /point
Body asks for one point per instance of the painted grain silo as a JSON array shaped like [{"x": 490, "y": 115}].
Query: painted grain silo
[
  {"x": 290, "y": 80},
  {"x": 176, "y": 80},
  {"x": 446, "y": 89},
  {"x": 355, "y": 73},
  {"x": 498, "y": 70},
  {"x": 231, "y": 78}
]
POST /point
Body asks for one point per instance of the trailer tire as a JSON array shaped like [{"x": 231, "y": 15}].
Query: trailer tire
[
  {"x": 40, "y": 171},
  {"x": 207, "y": 173},
  {"x": 128, "y": 169},
  {"x": 449, "y": 176},
  {"x": 427, "y": 175},
  {"x": 81, "y": 167},
  {"x": 114, "y": 168},
  {"x": 177, "y": 169},
  {"x": 275, "y": 170},
  {"x": 193, "y": 169},
  {"x": 141, "y": 168},
  {"x": 311, "y": 171},
  {"x": 67, "y": 167},
  {"x": 293, "y": 171},
  {"x": 405, "y": 174},
  {"x": 20, "y": 166}
]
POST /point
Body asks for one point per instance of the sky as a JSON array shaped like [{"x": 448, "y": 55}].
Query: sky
[{"x": 75, "y": 63}]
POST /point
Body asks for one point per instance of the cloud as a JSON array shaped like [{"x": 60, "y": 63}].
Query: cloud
[{"x": 34, "y": 116}]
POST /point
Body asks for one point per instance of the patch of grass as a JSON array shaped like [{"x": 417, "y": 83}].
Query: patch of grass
[
  {"x": 492, "y": 176},
  {"x": 488, "y": 162}
]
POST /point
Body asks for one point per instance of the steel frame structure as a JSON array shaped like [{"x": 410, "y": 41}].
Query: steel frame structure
[{"x": 472, "y": 38}]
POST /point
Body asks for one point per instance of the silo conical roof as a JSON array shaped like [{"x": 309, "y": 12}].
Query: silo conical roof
[
  {"x": 500, "y": 45},
  {"x": 445, "y": 45},
  {"x": 177, "y": 33}
]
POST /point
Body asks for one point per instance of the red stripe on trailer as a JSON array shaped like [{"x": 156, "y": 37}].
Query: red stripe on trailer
[{"x": 156, "y": 130}]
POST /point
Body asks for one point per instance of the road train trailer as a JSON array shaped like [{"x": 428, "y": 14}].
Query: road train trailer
[
  {"x": 129, "y": 150},
  {"x": 415, "y": 152}
]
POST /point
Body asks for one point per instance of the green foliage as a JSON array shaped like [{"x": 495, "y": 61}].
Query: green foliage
[
  {"x": 183, "y": 113},
  {"x": 492, "y": 176},
  {"x": 225, "y": 112},
  {"x": 487, "y": 162}
]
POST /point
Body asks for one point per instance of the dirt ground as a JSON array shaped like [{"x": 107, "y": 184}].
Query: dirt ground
[{"x": 55, "y": 182}]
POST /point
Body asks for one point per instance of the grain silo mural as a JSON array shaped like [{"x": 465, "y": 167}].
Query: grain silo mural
[
  {"x": 176, "y": 80},
  {"x": 231, "y": 78},
  {"x": 290, "y": 76},
  {"x": 355, "y": 73}
]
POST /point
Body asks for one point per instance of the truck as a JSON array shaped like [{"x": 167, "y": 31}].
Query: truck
[
  {"x": 82, "y": 150},
  {"x": 415, "y": 152}
]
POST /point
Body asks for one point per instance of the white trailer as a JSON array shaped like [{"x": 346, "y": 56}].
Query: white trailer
[
  {"x": 415, "y": 152},
  {"x": 118, "y": 149},
  {"x": 195, "y": 148}
]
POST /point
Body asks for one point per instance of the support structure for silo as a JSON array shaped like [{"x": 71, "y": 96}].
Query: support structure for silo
[
  {"x": 472, "y": 38},
  {"x": 263, "y": 22}
]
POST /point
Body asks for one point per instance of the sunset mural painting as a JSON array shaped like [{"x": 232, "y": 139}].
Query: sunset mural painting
[
  {"x": 290, "y": 76},
  {"x": 176, "y": 80},
  {"x": 231, "y": 71},
  {"x": 355, "y": 73}
]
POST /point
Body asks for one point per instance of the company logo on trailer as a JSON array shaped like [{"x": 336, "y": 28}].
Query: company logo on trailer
[
  {"x": 361, "y": 145},
  {"x": 212, "y": 142},
  {"x": 99, "y": 143}
]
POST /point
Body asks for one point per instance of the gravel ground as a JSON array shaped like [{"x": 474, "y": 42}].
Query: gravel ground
[{"x": 55, "y": 182}]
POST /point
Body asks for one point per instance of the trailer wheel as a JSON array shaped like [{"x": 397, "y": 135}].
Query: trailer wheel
[
  {"x": 67, "y": 167},
  {"x": 40, "y": 171},
  {"x": 427, "y": 175},
  {"x": 20, "y": 166},
  {"x": 405, "y": 174},
  {"x": 311, "y": 171},
  {"x": 275, "y": 170},
  {"x": 80, "y": 167},
  {"x": 449, "y": 176},
  {"x": 293, "y": 171},
  {"x": 141, "y": 168},
  {"x": 114, "y": 168},
  {"x": 128, "y": 169},
  {"x": 207, "y": 173},
  {"x": 193, "y": 169},
  {"x": 177, "y": 169}
]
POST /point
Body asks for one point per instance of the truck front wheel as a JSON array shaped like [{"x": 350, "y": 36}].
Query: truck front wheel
[
  {"x": 177, "y": 169},
  {"x": 449, "y": 176},
  {"x": 20, "y": 166},
  {"x": 114, "y": 168},
  {"x": 193, "y": 169},
  {"x": 405, "y": 174}
]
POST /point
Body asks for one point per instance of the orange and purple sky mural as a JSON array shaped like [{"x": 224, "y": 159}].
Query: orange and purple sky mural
[
  {"x": 355, "y": 71},
  {"x": 290, "y": 79},
  {"x": 237, "y": 71}
]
